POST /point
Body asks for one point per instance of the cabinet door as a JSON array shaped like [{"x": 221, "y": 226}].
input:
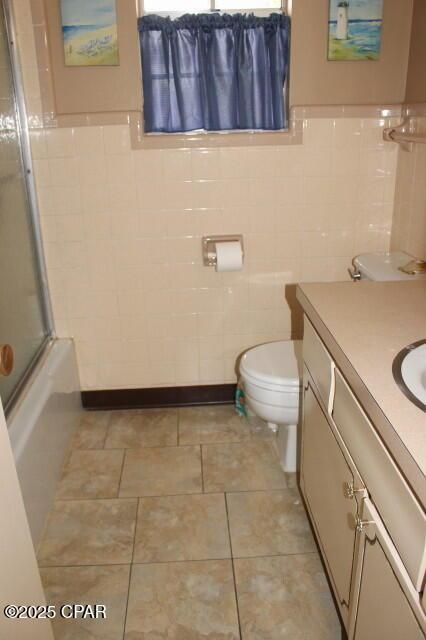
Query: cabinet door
[
  {"x": 324, "y": 471},
  {"x": 386, "y": 598}
]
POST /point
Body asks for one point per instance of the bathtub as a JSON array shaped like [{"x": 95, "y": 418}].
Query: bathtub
[{"x": 40, "y": 427}]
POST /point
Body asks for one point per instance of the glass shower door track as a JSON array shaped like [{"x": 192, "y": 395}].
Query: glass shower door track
[{"x": 25, "y": 150}]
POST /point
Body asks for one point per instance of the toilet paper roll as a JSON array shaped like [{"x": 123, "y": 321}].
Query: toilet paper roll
[{"x": 229, "y": 256}]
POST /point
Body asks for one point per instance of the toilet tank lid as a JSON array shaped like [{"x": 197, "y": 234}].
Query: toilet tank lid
[
  {"x": 275, "y": 362},
  {"x": 381, "y": 266}
]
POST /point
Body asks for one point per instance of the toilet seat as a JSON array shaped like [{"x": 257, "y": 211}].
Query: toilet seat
[{"x": 274, "y": 366}]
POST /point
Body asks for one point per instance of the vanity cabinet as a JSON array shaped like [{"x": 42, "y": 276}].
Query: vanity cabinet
[
  {"x": 370, "y": 527},
  {"x": 324, "y": 474}
]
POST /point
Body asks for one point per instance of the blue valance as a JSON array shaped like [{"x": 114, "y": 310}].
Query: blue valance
[{"x": 214, "y": 72}]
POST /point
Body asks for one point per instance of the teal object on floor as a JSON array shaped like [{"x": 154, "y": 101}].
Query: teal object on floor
[{"x": 240, "y": 402}]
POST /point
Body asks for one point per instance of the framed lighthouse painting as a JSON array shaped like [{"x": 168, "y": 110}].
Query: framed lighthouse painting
[{"x": 355, "y": 29}]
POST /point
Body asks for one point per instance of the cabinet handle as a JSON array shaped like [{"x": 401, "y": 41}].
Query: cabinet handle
[
  {"x": 360, "y": 524},
  {"x": 350, "y": 491}
]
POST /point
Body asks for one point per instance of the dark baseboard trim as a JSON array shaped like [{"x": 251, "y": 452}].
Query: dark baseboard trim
[{"x": 157, "y": 397}]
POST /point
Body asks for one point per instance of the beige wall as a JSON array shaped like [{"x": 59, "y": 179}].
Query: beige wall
[
  {"x": 315, "y": 80},
  {"x": 91, "y": 89},
  {"x": 416, "y": 79},
  {"x": 409, "y": 228},
  {"x": 122, "y": 231}
]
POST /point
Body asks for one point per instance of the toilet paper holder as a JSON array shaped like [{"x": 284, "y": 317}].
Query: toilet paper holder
[{"x": 209, "y": 247}]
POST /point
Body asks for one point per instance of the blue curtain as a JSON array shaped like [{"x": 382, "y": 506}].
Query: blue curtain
[{"x": 214, "y": 72}]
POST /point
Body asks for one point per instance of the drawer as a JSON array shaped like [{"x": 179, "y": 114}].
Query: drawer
[
  {"x": 317, "y": 360},
  {"x": 402, "y": 515}
]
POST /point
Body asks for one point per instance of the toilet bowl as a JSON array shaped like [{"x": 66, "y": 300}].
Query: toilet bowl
[{"x": 271, "y": 376}]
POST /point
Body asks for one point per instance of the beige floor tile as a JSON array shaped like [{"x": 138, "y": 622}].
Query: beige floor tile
[
  {"x": 145, "y": 428},
  {"x": 161, "y": 471},
  {"x": 206, "y": 425},
  {"x": 84, "y": 532},
  {"x": 88, "y": 585},
  {"x": 268, "y": 523},
  {"x": 91, "y": 474},
  {"x": 92, "y": 430},
  {"x": 241, "y": 467},
  {"x": 182, "y": 601},
  {"x": 285, "y": 598},
  {"x": 182, "y": 528}
]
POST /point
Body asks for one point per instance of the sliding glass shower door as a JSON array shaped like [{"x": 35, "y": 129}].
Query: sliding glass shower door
[{"x": 24, "y": 324}]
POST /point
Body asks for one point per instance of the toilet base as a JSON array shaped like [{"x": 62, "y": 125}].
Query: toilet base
[{"x": 286, "y": 445}]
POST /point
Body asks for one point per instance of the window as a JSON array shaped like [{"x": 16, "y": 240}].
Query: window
[
  {"x": 197, "y": 6},
  {"x": 214, "y": 65}
]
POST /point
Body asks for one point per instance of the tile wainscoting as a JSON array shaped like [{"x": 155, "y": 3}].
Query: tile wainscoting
[
  {"x": 409, "y": 225},
  {"x": 122, "y": 232}
]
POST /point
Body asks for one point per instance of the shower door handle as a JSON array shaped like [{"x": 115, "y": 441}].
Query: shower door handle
[{"x": 6, "y": 360}]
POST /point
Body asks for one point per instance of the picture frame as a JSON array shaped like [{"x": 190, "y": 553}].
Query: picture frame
[
  {"x": 355, "y": 30},
  {"x": 89, "y": 32}
]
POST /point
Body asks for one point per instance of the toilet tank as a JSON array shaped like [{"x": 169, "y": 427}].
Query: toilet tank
[{"x": 382, "y": 266}]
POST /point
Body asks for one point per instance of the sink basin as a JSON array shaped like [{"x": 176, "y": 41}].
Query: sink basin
[{"x": 409, "y": 370}]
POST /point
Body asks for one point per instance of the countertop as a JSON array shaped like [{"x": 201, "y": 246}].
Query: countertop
[{"x": 364, "y": 326}]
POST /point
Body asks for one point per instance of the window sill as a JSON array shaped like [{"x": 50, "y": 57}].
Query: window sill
[{"x": 140, "y": 140}]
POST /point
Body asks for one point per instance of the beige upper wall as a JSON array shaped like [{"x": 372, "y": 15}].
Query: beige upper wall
[
  {"x": 314, "y": 80},
  {"x": 93, "y": 89},
  {"x": 416, "y": 77}
]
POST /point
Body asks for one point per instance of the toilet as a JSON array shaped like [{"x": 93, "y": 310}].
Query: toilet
[
  {"x": 271, "y": 373},
  {"x": 272, "y": 376}
]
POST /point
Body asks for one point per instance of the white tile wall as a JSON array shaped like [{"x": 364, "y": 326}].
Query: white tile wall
[
  {"x": 409, "y": 229},
  {"x": 122, "y": 232}
]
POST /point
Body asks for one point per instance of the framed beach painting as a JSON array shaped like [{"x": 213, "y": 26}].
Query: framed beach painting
[
  {"x": 355, "y": 29},
  {"x": 89, "y": 31}
]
